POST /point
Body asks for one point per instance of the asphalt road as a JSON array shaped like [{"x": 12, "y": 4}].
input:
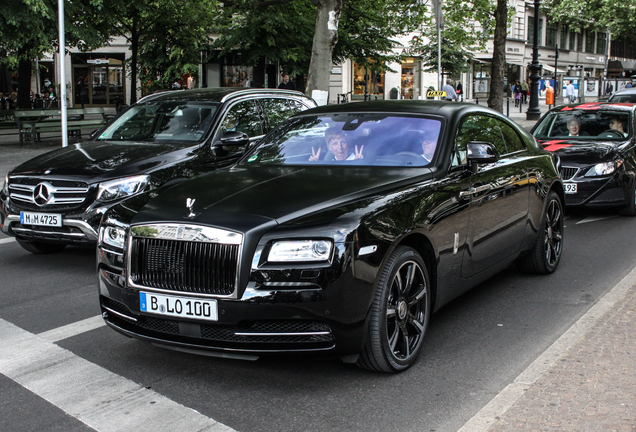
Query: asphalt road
[{"x": 67, "y": 378}]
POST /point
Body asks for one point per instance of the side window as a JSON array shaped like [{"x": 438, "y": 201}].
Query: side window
[
  {"x": 276, "y": 111},
  {"x": 296, "y": 106},
  {"x": 242, "y": 117},
  {"x": 513, "y": 141},
  {"x": 477, "y": 128}
]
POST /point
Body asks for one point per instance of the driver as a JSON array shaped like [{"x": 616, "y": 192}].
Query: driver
[
  {"x": 618, "y": 125},
  {"x": 574, "y": 127},
  {"x": 338, "y": 146},
  {"x": 429, "y": 143}
]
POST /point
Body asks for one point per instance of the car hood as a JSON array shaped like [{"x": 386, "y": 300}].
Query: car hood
[
  {"x": 99, "y": 160},
  {"x": 581, "y": 152},
  {"x": 230, "y": 197}
]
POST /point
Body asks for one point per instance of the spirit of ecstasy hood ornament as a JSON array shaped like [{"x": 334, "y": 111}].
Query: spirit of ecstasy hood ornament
[{"x": 190, "y": 206}]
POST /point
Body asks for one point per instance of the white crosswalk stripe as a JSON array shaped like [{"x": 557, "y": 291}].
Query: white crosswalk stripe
[
  {"x": 95, "y": 396},
  {"x": 7, "y": 240}
]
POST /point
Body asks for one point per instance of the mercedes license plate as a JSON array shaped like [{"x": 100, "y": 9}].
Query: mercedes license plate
[
  {"x": 179, "y": 307},
  {"x": 570, "y": 188},
  {"x": 41, "y": 219}
]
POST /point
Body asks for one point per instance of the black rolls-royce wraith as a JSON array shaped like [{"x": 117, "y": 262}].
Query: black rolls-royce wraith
[{"x": 338, "y": 234}]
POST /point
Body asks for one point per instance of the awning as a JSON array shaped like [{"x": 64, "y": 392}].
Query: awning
[
  {"x": 551, "y": 69},
  {"x": 621, "y": 65}
]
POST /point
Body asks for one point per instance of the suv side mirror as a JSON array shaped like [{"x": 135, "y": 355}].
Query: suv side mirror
[{"x": 233, "y": 138}]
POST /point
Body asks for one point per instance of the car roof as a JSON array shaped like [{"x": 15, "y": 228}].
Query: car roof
[
  {"x": 441, "y": 108},
  {"x": 219, "y": 94},
  {"x": 597, "y": 106},
  {"x": 631, "y": 90}
]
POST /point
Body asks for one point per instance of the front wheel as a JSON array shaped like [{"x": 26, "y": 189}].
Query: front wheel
[
  {"x": 39, "y": 247},
  {"x": 399, "y": 314},
  {"x": 546, "y": 254}
]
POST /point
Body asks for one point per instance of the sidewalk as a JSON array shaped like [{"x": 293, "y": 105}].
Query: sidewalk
[{"x": 585, "y": 382}]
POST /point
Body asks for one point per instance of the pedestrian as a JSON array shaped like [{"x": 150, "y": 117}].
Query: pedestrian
[
  {"x": 570, "y": 92},
  {"x": 629, "y": 84},
  {"x": 459, "y": 91},
  {"x": 524, "y": 91},
  {"x": 450, "y": 91},
  {"x": 609, "y": 89},
  {"x": 176, "y": 85},
  {"x": 287, "y": 84},
  {"x": 517, "y": 93}
]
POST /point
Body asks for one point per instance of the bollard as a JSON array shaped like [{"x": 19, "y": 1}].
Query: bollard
[
  {"x": 520, "y": 107},
  {"x": 508, "y": 106}
]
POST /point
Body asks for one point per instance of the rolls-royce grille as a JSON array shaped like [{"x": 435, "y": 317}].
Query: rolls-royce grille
[
  {"x": 43, "y": 194},
  {"x": 186, "y": 266},
  {"x": 568, "y": 172}
]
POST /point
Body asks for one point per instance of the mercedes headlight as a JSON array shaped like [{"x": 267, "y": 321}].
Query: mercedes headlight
[
  {"x": 300, "y": 250},
  {"x": 5, "y": 186},
  {"x": 122, "y": 188},
  {"x": 602, "y": 169}
]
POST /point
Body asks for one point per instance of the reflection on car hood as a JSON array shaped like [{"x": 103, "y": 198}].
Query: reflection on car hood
[
  {"x": 580, "y": 150},
  {"x": 228, "y": 198},
  {"x": 97, "y": 159}
]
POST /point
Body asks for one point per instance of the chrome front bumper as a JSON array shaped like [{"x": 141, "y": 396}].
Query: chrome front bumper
[{"x": 86, "y": 235}]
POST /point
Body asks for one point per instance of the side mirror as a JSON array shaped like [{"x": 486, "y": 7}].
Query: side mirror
[
  {"x": 481, "y": 152},
  {"x": 233, "y": 138}
]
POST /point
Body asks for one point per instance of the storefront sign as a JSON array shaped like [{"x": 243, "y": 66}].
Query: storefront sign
[{"x": 97, "y": 61}]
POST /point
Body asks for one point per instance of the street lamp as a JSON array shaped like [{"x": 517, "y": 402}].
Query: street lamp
[{"x": 534, "y": 113}]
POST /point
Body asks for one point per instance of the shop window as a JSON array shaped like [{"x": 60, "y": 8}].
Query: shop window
[
  {"x": 375, "y": 81},
  {"x": 237, "y": 76}
]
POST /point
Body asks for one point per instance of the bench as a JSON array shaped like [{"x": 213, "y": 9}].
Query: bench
[{"x": 31, "y": 123}]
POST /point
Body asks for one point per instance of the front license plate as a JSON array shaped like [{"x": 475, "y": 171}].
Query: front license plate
[
  {"x": 41, "y": 219},
  {"x": 180, "y": 307},
  {"x": 570, "y": 188}
]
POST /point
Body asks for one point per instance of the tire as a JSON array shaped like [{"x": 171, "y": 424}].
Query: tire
[
  {"x": 399, "y": 314},
  {"x": 39, "y": 247},
  {"x": 630, "y": 208},
  {"x": 545, "y": 255}
]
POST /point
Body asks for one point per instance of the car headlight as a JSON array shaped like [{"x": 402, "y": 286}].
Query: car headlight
[
  {"x": 602, "y": 169},
  {"x": 113, "y": 236},
  {"x": 122, "y": 188},
  {"x": 300, "y": 250},
  {"x": 5, "y": 185}
]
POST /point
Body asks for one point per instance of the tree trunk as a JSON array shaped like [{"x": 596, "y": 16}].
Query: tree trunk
[
  {"x": 134, "y": 48},
  {"x": 495, "y": 98},
  {"x": 325, "y": 39},
  {"x": 24, "y": 82}
]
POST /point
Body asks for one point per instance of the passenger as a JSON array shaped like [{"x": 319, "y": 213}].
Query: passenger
[
  {"x": 338, "y": 146},
  {"x": 429, "y": 143},
  {"x": 574, "y": 127},
  {"x": 618, "y": 125}
]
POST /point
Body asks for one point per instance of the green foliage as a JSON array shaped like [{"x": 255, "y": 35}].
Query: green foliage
[
  {"x": 467, "y": 27},
  {"x": 618, "y": 15}
]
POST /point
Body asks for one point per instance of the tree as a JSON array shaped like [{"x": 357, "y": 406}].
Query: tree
[
  {"x": 29, "y": 28},
  {"x": 166, "y": 37},
  {"x": 495, "y": 98},
  {"x": 306, "y": 36},
  {"x": 460, "y": 36},
  {"x": 617, "y": 15}
]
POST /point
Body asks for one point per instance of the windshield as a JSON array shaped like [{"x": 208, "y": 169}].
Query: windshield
[
  {"x": 162, "y": 121},
  {"x": 351, "y": 139},
  {"x": 584, "y": 125}
]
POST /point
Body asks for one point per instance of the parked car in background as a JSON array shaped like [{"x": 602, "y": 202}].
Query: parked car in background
[
  {"x": 627, "y": 95},
  {"x": 58, "y": 198},
  {"x": 338, "y": 234},
  {"x": 598, "y": 165}
]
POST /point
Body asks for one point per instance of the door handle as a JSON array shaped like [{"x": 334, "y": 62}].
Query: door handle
[{"x": 475, "y": 190}]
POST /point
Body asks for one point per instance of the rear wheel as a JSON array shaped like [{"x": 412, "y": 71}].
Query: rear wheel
[
  {"x": 399, "y": 314},
  {"x": 546, "y": 254},
  {"x": 630, "y": 208},
  {"x": 39, "y": 247}
]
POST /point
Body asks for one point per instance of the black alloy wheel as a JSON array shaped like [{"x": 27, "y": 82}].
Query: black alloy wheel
[
  {"x": 545, "y": 256},
  {"x": 399, "y": 314}
]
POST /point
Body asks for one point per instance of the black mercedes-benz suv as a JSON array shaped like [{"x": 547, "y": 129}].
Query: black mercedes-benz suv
[{"x": 58, "y": 198}]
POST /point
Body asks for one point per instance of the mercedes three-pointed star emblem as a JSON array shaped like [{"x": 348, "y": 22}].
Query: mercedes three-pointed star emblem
[{"x": 41, "y": 194}]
